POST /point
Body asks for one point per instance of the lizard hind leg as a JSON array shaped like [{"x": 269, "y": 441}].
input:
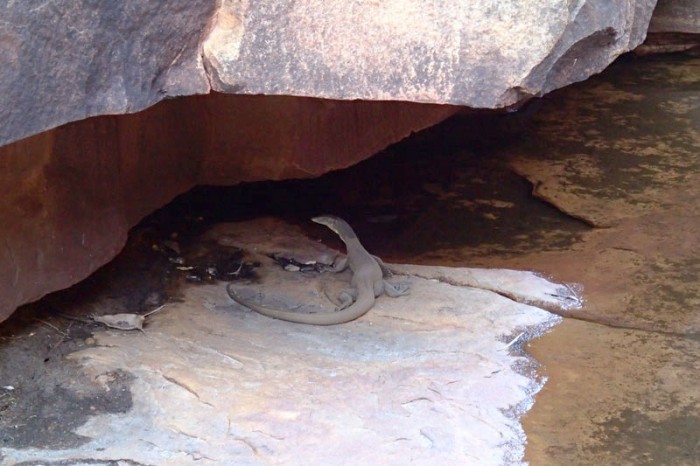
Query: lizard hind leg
[{"x": 345, "y": 299}]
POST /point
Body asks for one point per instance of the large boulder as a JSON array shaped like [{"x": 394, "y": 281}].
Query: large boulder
[
  {"x": 479, "y": 54},
  {"x": 68, "y": 61},
  {"x": 70, "y": 194}
]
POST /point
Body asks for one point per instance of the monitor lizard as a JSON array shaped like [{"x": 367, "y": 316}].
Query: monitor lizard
[{"x": 367, "y": 282}]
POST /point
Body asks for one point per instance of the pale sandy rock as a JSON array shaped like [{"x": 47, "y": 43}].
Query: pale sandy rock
[{"x": 427, "y": 378}]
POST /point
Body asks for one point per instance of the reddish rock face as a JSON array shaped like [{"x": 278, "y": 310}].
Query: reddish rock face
[
  {"x": 68, "y": 196},
  {"x": 274, "y": 138}
]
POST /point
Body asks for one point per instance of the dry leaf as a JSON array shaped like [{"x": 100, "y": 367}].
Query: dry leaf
[{"x": 122, "y": 321}]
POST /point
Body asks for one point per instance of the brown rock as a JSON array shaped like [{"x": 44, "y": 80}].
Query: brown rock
[
  {"x": 676, "y": 16},
  {"x": 674, "y": 27},
  {"x": 68, "y": 196}
]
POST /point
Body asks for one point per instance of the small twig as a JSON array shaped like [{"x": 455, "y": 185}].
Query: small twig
[
  {"x": 159, "y": 308},
  {"x": 48, "y": 324},
  {"x": 240, "y": 266},
  {"x": 58, "y": 343},
  {"x": 515, "y": 339}
]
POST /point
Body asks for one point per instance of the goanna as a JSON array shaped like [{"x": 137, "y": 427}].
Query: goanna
[{"x": 367, "y": 282}]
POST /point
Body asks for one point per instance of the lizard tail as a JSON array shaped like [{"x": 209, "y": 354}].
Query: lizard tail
[{"x": 364, "y": 302}]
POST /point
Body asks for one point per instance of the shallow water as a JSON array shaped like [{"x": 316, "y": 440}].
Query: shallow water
[{"x": 621, "y": 152}]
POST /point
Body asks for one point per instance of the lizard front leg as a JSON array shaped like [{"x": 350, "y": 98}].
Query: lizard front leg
[{"x": 339, "y": 264}]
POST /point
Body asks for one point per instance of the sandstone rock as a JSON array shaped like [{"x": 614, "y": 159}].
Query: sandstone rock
[
  {"x": 479, "y": 54},
  {"x": 71, "y": 194},
  {"x": 64, "y": 63},
  {"x": 674, "y": 27}
]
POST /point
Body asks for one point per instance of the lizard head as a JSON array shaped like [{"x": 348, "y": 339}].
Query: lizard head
[{"x": 337, "y": 224}]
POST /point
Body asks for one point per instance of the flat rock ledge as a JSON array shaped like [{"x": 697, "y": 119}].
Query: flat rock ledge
[{"x": 428, "y": 378}]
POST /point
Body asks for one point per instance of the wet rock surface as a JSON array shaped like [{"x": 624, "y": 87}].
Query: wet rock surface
[
  {"x": 615, "y": 396},
  {"x": 674, "y": 27},
  {"x": 641, "y": 404},
  {"x": 632, "y": 173},
  {"x": 681, "y": 16}
]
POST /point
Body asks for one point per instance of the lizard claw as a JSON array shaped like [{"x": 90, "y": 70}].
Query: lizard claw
[{"x": 396, "y": 289}]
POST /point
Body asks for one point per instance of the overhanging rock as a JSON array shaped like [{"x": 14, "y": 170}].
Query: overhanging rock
[
  {"x": 72, "y": 193},
  {"x": 65, "y": 62}
]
